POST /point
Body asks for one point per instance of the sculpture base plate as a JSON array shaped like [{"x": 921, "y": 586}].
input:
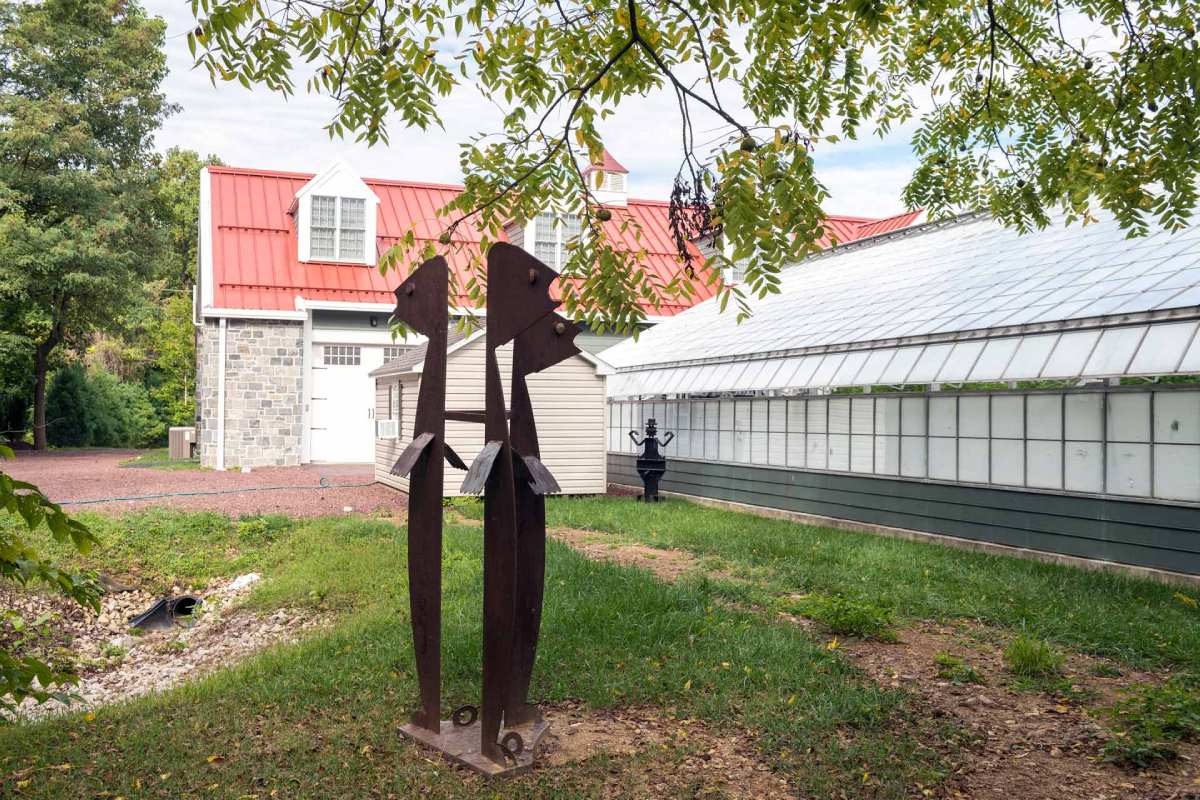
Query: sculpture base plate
[{"x": 461, "y": 745}]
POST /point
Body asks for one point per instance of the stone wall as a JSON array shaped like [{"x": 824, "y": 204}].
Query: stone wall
[{"x": 263, "y": 392}]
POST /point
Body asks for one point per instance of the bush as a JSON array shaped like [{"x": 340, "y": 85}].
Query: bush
[
  {"x": 847, "y": 617},
  {"x": 1029, "y": 657},
  {"x": 1149, "y": 719},
  {"x": 95, "y": 409}
]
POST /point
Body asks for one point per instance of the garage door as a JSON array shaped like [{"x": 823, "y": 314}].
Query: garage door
[{"x": 343, "y": 403}]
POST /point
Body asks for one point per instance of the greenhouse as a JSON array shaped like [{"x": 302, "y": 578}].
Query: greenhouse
[{"x": 955, "y": 378}]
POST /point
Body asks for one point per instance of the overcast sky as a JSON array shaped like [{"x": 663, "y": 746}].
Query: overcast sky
[{"x": 260, "y": 129}]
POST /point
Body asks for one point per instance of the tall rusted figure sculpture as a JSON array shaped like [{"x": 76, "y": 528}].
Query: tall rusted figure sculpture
[
  {"x": 421, "y": 304},
  {"x": 544, "y": 344},
  {"x": 652, "y": 463},
  {"x": 499, "y": 736}
]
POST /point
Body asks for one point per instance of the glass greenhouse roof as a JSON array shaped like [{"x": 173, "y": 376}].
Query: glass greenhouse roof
[{"x": 967, "y": 300}]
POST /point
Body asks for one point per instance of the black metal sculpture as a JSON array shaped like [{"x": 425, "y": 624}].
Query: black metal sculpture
[
  {"x": 500, "y": 736},
  {"x": 652, "y": 463}
]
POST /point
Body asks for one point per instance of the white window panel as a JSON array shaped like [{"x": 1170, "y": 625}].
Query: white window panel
[
  {"x": 877, "y": 361},
  {"x": 1177, "y": 417},
  {"x": 994, "y": 360},
  {"x": 795, "y": 450},
  {"x": 1128, "y": 467},
  {"x": 796, "y": 416},
  {"x": 726, "y": 415},
  {"x": 777, "y": 415},
  {"x": 862, "y": 453},
  {"x": 943, "y": 416},
  {"x": 839, "y": 452},
  {"x": 1084, "y": 418},
  {"x": 929, "y": 364},
  {"x": 1084, "y": 467},
  {"x": 741, "y": 415},
  {"x": 1162, "y": 349},
  {"x": 1191, "y": 359},
  {"x": 862, "y": 415},
  {"x": 758, "y": 447},
  {"x": 1070, "y": 354},
  {"x": 672, "y": 416},
  {"x": 1029, "y": 360},
  {"x": 726, "y": 448},
  {"x": 848, "y": 371},
  {"x": 1114, "y": 351},
  {"x": 1044, "y": 415},
  {"x": 1128, "y": 417},
  {"x": 712, "y": 415},
  {"x": 973, "y": 460},
  {"x": 1044, "y": 465},
  {"x": 913, "y": 456},
  {"x": 777, "y": 450},
  {"x": 817, "y": 451},
  {"x": 759, "y": 414},
  {"x": 887, "y": 455},
  {"x": 825, "y": 372},
  {"x": 887, "y": 415},
  {"x": 684, "y": 415},
  {"x": 962, "y": 359},
  {"x": 914, "y": 417},
  {"x": 1008, "y": 462},
  {"x": 1177, "y": 472},
  {"x": 817, "y": 415},
  {"x": 748, "y": 379},
  {"x": 973, "y": 416},
  {"x": 711, "y": 449},
  {"x": 839, "y": 415},
  {"x": 943, "y": 458},
  {"x": 783, "y": 376},
  {"x": 1008, "y": 416},
  {"x": 901, "y": 364}
]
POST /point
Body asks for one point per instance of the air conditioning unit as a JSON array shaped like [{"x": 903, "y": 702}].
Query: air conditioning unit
[{"x": 181, "y": 443}]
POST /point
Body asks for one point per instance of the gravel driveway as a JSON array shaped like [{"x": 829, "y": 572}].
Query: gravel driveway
[{"x": 75, "y": 475}]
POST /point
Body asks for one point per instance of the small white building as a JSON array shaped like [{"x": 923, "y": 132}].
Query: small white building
[{"x": 568, "y": 401}]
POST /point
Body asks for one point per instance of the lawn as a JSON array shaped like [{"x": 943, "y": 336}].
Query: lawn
[
  {"x": 160, "y": 459},
  {"x": 319, "y": 718}
]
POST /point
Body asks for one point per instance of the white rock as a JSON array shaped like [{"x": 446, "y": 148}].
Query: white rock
[{"x": 242, "y": 581}]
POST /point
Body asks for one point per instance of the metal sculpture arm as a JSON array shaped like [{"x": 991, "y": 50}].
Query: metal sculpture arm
[
  {"x": 637, "y": 442},
  {"x": 667, "y": 439}
]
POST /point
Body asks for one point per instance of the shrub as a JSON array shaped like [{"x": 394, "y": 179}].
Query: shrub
[
  {"x": 1148, "y": 720},
  {"x": 848, "y": 617},
  {"x": 954, "y": 669},
  {"x": 1029, "y": 657},
  {"x": 93, "y": 408}
]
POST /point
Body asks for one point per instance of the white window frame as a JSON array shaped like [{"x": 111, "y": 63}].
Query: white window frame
[
  {"x": 559, "y": 239},
  {"x": 341, "y": 355},
  {"x": 339, "y": 228},
  {"x": 388, "y": 427}
]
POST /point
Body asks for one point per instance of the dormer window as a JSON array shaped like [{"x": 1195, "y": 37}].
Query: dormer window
[
  {"x": 612, "y": 182},
  {"x": 336, "y": 218},
  {"x": 551, "y": 235},
  {"x": 338, "y": 230}
]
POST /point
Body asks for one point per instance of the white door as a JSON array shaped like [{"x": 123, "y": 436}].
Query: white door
[{"x": 343, "y": 403}]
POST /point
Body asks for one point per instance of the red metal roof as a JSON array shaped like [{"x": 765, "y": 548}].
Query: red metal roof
[
  {"x": 256, "y": 265},
  {"x": 608, "y": 164}
]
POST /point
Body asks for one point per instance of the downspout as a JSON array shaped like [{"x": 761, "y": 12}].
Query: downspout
[
  {"x": 306, "y": 356},
  {"x": 221, "y": 397}
]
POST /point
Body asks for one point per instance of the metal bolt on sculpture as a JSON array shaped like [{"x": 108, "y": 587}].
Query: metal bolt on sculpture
[
  {"x": 651, "y": 464},
  {"x": 499, "y": 736}
]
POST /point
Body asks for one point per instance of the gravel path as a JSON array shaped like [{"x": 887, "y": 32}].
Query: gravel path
[{"x": 74, "y": 475}]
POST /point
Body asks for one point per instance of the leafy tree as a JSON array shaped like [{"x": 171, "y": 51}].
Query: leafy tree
[
  {"x": 79, "y": 103},
  {"x": 1025, "y": 116},
  {"x": 178, "y": 182},
  {"x": 68, "y": 403},
  {"x": 23, "y": 676},
  {"x": 172, "y": 371},
  {"x": 94, "y": 408}
]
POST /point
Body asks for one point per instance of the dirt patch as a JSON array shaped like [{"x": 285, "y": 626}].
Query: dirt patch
[
  {"x": 1018, "y": 743},
  {"x": 667, "y": 565},
  {"x": 115, "y": 664},
  {"x": 711, "y": 763}
]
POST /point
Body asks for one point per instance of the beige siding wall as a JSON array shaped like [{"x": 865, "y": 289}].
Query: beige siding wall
[{"x": 568, "y": 399}]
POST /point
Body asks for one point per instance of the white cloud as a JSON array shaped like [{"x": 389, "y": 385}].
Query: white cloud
[{"x": 257, "y": 128}]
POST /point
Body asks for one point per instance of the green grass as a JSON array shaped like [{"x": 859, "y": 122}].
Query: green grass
[
  {"x": 956, "y": 670},
  {"x": 1029, "y": 657},
  {"x": 1149, "y": 720},
  {"x": 158, "y": 459},
  {"x": 1135, "y": 621},
  {"x": 318, "y": 719}
]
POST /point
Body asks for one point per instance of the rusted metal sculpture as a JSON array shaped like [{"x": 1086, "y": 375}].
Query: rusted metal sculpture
[
  {"x": 421, "y": 304},
  {"x": 652, "y": 463},
  {"x": 500, "y": 736},
  {"x": 544, "y": 344}
]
